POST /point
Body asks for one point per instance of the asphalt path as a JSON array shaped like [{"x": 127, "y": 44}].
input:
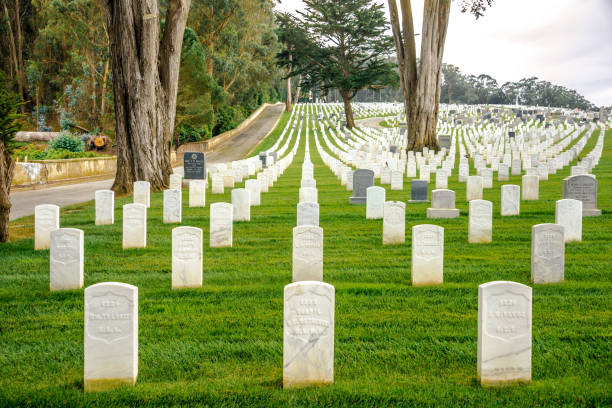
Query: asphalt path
[{"x": 23, "y": 202}]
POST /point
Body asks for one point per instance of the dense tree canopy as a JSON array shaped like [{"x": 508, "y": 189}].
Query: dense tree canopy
[{"x": 344, "y": 47}]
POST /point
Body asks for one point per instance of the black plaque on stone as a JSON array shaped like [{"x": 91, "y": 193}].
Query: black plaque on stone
[
  {"x": 418, "y": 191},
  {"x": 263, "y": 158},
  {"x": 362, "y": 179},
  {"x": 511, "y": 134},
  {"x": 393, "y": 149},
  {"x": 194, "y": 165}
]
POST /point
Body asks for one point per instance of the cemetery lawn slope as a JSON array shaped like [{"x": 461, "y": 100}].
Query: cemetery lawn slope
[{"x": 395, "y": 344}]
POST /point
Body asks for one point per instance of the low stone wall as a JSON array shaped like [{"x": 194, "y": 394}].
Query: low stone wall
[
  {"x": 50, "y": 171},
  {"x": 210, "y": 144}
]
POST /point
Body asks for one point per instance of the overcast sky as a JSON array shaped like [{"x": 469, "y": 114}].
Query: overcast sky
[{"x": 566, "y": 42}]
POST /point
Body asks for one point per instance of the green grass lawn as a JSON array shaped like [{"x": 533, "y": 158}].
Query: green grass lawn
[{"x": 395, "y": 345}]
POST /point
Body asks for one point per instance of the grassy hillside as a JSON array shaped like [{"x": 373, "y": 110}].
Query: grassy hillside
[{"x": 395, "y": 345}]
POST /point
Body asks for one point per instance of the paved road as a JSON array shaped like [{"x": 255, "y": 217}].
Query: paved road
[
  {"x": 23, "y": 203},
  {"x": 370, "y": 122}
]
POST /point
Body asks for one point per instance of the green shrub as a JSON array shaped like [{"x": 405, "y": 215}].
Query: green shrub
[
  {"x": 66, "y": 141},
  {"x": 187, "y": 133},
  {"x": 226, "y": 120},
  {"x": 35, "y": 153}
]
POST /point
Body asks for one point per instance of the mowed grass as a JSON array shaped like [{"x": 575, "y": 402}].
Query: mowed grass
[{"x": 395, "y": 345}]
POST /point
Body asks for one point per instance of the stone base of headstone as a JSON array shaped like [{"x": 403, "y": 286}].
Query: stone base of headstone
[
  {"x": 357, "y": 200},
  {"x": 442, "y": 213},
  {"x": 591, "y": 212}
]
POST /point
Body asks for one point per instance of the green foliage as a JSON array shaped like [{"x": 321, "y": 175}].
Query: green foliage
[
  {"x": 67, "y": 141},
  {"x": 226, "y": 120},
  {"x": 9, "y": 126},
  {"x": 186, "y": 133},
  {"x": 484, "y": 89},
  {"x": 343, "y": 45},
  {"x": 33, "y": 152}
]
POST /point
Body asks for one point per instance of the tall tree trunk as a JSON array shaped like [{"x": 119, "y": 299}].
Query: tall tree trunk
[
  {"x": 20, "y": 73},
  {"x": 145, "y": 83},
  {"x": 13, "y": 50},
  {"x": 348, "y": 110},
  {"x": 298, "y": 89},
  {"x": 7, "y": 164},
  {"x": 103, "y": 92},
  {"x": 288, "y": 98},
  {"x": 421, "y": 87}
]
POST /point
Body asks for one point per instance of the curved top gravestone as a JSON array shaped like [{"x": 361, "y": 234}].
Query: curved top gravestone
[
  {"x": 362, "y": 179},
  {"x": 583, "y": 188}
]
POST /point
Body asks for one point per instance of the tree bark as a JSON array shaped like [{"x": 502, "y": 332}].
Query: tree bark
[
  {"x": 348, "y": 110},
  {"x": 421, "y": 85},
  {"x": 298, "y": 89},
  {"x": 13, "y": 49},
  {"x": 145, "y": 82},
  {"x": 104, "y": 87},
  {"x": 288, "y": 98},
  {"x": 7, "y": 165}
]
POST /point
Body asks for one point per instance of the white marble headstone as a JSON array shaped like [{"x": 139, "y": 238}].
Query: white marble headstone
[
  {"x": 307, "y": 253},
  {"x": 427, "y": 255},
  {"x": 66, "y": 259},
  {"x": 394, "y": 223},
  {"x": 46, "y": 220},
  {"x": 221, "y": 220},
  {"x": 134, "y": 226},
  {"x": 105, "y": 207},
  {"x": 187, "y": 257}
]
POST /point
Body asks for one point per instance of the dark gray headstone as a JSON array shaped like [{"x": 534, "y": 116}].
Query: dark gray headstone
[
  {"x": 418, "y": 191},
  {"x": 275, "y": 155},
  {"x": 582, "y": 187},
  {"x": 393, "y": 149},
  {"x": 444, "y": 141},
  {"x": 511, "y": 134},
  {"x": 263, "y": 158},
  {"x": 194, "y": 165},
  {"x": 362, "y": 179}
]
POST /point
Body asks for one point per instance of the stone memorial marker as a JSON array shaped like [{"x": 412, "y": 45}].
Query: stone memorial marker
[
  {"x": 444, "y": 141},
  {"x": 510, "y": 200},
  {"x": 516, "y": 167},
  {"x": 228, "y": 180},
  {"x": 308, "y": 194},
  {"x": 568, "y": 213},
  {"x": 464, "y": 172},
  {"x": 441, "y": 179},
  {"x": 504, "y": 333},
  {"x": 487, "y": 178},
  {"x": 307, "y": 253},
  {"x": 502, "y": 172},
  {"x": 308, "y": 214},
  {"x": 411, "y": 169},
  {"x": 221, "y": 218},
  {"x": 442, "y": 204},
  {"x": 263, "y": 182},
  {"x": 66, "y": 259},
  {"x": 46, "y": 220},
  {"x": 530, "y": 188},
  {"x": 197, "y": 193},
  {"x": 217, "y": 184},
  {"x": 547, "y": 253},
  {"x": 241, "y": 204},
  {"x": 194, "y": 165},
  {"x": 134, "y": 226},
  {"x": 111, "y": 335},
  {"x": 172, "y": 206},
  {"x": 394, "y": 223},
  {"x": 583, "y": 188},
  {"x": 385, "y": 175},
  {"x": 418, "y": 191},
  {"x": 480, "y": 224},
  {"x": 362, "y": 179},
  {"x": 427, "y": 255},
  {"x": 308, "y": 334},
  {"x": 375, "y": 202},
  {"x": 254, "y": 188},
  {"x": 349, "y": 180},
  {"x": 397, "y": 180},
  {"x": 142, "y": 193},
  {"x": 424, "y": 173},
  {"x": 105, "y": 207},
  {"x": 187, "y": 257},
  {"x": 176, "y": 182},
  {"x": 308, "y": 183},
  {"x": 474, "y": 188}
]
